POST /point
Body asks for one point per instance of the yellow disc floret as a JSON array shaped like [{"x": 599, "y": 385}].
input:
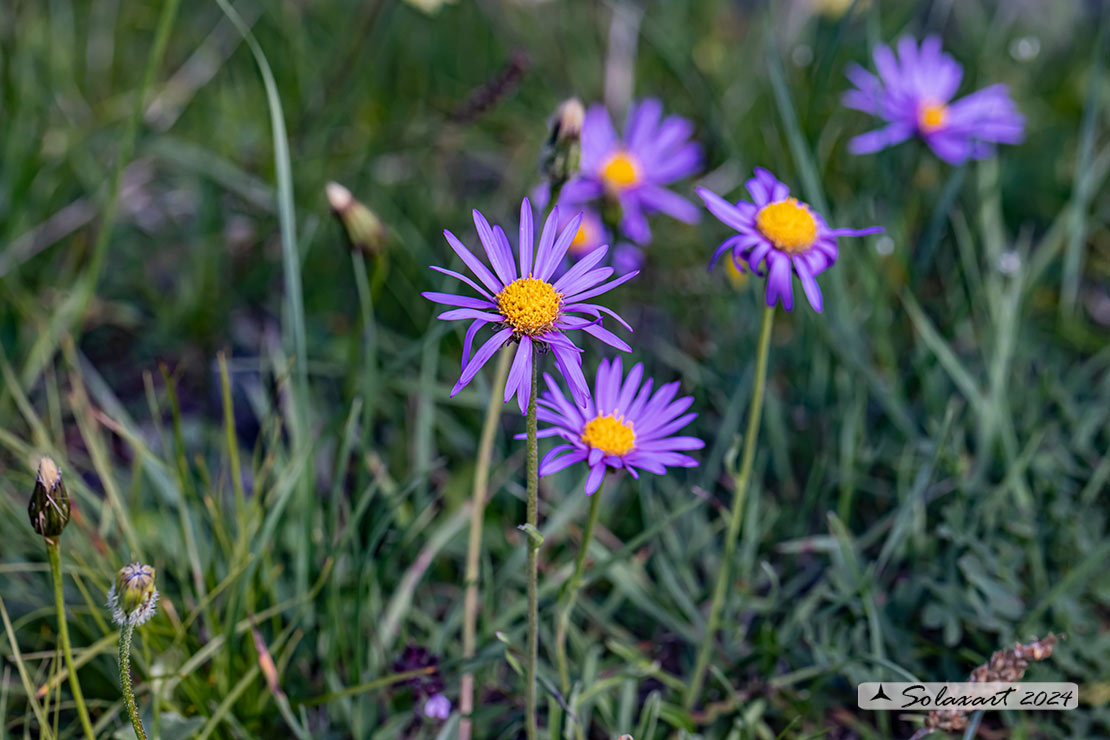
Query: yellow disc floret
[
  {"x": 529, "y": 305},
  {"x": 621, "y": 171},
  {"x": 610, "y": 434},
  {"x": 932, "y": 116},
  {"x": 788, "y": 224}
]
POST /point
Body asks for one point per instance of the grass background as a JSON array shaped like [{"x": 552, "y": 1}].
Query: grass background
[{"x": 184, "y": 329}]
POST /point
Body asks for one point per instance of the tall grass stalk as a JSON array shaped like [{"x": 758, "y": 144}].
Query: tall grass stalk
[
  {"x": 474, "y": 543},
  {"x": 743, "y": 478},
  {"x": 63, "y": 635},
  {"x": 534, "y": 541}
]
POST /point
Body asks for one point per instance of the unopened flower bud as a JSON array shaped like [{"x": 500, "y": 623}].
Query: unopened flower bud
[
  {"x": 365, "y": 230},
  {"x": 133, "y": 597},
  {"x": 564, "y": 150},
  {"x": 49, "y": 506}
]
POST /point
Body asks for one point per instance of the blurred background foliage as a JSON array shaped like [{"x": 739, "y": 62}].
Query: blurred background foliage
[{"x": 932, "y": 476}]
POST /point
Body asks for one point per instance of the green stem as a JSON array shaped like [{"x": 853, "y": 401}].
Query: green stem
[
  {"x": 63, "y": 633},
  {"x": 533, "y": 551},
  {"x": 125, "y": 633},
  {"x": 570, "y": 597},
  {"x": 474, "y": 544},
  {"x": 743, "y": 478}
]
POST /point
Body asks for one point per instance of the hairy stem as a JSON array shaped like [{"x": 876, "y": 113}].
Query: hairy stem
[
  {"x": 533, "y": 551},
  {"x": 125, "y": 633},
  {"x": 63, "y": 633},
  {"x": 474, "y": 544},
  {"x": 743, "y": 478}
]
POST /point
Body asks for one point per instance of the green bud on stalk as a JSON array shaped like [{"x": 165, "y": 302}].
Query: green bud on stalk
[
  {"x": 563, "y": 152},
  {"x": 49, "y": 506},
  {"x": 133, "y": 598}
]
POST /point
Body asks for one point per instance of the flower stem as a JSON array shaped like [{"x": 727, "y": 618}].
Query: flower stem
[
  {"x": 533, "y": 551},
  {"x": 63, "y": 633},
  {"x": 743, "y": 478},
  {"x": 474, "y": 545},
  {"x": 570, "y": 595},
  {"x": 125, "y": 633}
]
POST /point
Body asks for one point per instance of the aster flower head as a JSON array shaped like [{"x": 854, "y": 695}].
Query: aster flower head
[
  {"x": 781, "y": 234},
  {"x": 133, "y": 597},
  {"x": 634, "y": 168},
  {"x": 531, "y": 305},
  {"x": 624, "y": 426},
  {"x": 913, "y": 93}
]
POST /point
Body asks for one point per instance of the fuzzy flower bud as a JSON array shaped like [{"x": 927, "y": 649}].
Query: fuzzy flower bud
[
  {"x": 563, "y": 151},
  {"x": 49, "y": 506},
  {"x": 365, "y": 230},
  {"x": 133, "y": 598}
]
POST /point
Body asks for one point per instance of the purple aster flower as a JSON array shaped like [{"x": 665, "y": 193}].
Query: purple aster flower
[
  {"x": 634, "y": 169},
  {"x": 530, "y": 305},
  {"x": 437, "y": 707},
  {"x": 913, "y": 94},
  {"x": 780, "y": 232},
  {"x": 624, "y": 426}
]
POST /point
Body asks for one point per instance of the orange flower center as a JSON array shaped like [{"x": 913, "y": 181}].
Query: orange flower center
[
  {"x": 529, "y": 305},
  {"x": 932, "y": 116},
  {"x": 610, "y": 434},
  {"x": 584, "y": 239},
  {"x": 621, "y": 171},
  {"x": 788, "y": 224}
]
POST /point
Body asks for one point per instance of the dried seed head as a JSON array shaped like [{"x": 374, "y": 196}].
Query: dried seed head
[
  {"x": 49, "y": 505},
  {"x": 365, "y": 230},
  {"x": 1004, "y": 666},
  {"x": 133, "y": 598}
]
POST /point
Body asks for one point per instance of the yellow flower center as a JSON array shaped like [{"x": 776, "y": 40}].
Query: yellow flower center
[
  {"x": 529, "y": 305},
  {"x": 788, "y": 224},
  {"x": 932, "y": 116},
  {"x": 621, "y": 171},
  {"x": 610, "y": 434}
]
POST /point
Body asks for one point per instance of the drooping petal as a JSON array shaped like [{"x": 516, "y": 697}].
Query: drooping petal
[{"x": 481, "y": 357}]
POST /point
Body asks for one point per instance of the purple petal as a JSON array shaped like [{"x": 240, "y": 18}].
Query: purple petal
[
  {"x": 593, "y": 482},
  {"x": 809, "y": 284},
  {"x": 581, "y": 267},
  {"x": 527, "y": 239},
  {"x": 480, "y": 271},
  {"x": 778, "y": 282},
  {"x": 481, "y": 357},
  {"x": 727, "y": 213},
  {"x": 465, "y": 279},
  {"x": 450, "y": 299},
  {"x": 520, "y": 370},
  {"x": 674, "y": 205},
  {"x": 607, "y": 336},
  {"x": 499, "y": 253}
]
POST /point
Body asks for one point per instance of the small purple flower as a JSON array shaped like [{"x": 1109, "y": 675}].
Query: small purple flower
[
  {"x": 437, "y": 707},
  {"x": 782, "y": 233},
  {"x": 634, "y": 169},
  {"x": 624, "y": 426},
  {"x": 530, "y": 306},
  {"x": 913, "y": 94}
]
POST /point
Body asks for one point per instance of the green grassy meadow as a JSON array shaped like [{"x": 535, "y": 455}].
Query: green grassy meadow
[{"x": 237, "y": 398}]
